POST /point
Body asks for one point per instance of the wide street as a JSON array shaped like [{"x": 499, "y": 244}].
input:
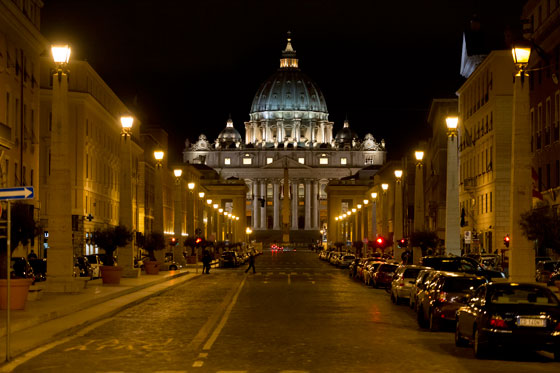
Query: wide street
[{"x": 296, "y": 314}]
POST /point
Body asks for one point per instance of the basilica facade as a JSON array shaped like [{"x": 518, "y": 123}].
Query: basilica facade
[{"x": 288, "y": 139}]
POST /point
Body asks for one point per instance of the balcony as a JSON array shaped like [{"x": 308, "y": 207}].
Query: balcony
[{"x": 5, "y": 136}]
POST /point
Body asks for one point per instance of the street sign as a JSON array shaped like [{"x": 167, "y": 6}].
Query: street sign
[
  {"x": 468, "y": 236},
  {"x": 16, "y": 193}
]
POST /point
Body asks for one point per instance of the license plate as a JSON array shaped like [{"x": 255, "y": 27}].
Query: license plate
[{"x": 524, "y": 321}]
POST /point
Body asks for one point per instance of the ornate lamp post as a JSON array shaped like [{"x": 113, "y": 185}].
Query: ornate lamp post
[
  {"x": 398, "y": 224},
  {"x": 373, "y": 215},
  {"x": 178, "y": 205},
  {"x": 522, "y": 254},
  {"x": 126, "y": 254},
  {"x": 158, "y": 197},
  {"x": 60, "y": 252},
  {"x": 418, "y": 201},
  {"x": 385, "y": 211},
  {"x": 452, "y": 214}
]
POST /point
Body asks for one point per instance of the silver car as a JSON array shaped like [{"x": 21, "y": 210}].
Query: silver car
[{"x": 404, "y": 278}]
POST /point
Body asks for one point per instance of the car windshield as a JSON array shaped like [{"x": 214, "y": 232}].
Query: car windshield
[
  {"x": 525, "y": 294},
  {"x": 387, "y": 268},
  {"x": 411, "y": 272},
  {"x": 461, "y": 285}
]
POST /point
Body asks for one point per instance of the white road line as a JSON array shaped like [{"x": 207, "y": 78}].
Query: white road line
[
  {"x": 289, "y": 279},
  {"x": 198, "y": 364},
  {"x": 203, "y": 354},
  {"x": 216, "y": 333},
  {"x": 313, "y": 282}
]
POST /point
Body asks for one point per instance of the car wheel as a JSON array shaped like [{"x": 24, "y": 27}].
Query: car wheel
[
  {"x": 459, "y": 340},
  {"x": 434, "y": 322},
  {"x": 480, "y": 348}
]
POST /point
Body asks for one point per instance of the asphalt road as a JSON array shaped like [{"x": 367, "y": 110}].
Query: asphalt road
[{"x": 296, "y": 314}]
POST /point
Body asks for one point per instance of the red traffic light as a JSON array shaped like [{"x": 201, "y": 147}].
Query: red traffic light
[
  {"x": 198, "y": 240},
  {"x": 506, "y": 240},
  {"x": 379, "y": 241}
]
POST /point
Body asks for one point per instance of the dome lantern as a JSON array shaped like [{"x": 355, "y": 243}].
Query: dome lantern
[{"x": 289, "y": 60}]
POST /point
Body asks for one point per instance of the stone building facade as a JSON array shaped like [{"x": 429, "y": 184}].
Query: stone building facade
[{"x": 288, "y": 128}]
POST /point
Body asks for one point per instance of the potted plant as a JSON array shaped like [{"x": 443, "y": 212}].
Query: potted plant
[
  {"x": 153, "y": 242},
  {"x": 109, "y": 239},
  {"x": 23, "y": 230}
]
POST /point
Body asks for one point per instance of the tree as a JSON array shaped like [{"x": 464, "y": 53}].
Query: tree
[
  {"x": 110, "y": 238},
  {"x": 23, "y": 230},
  {"x": 153, "y": 242},
  {"x": 358, "y": 245},
  {"x": 541, "y": 225},
  {"x": 190, "y": 242},
  {"x": 425, "y": 240}
]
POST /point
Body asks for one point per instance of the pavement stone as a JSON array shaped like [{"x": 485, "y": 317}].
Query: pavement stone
[{"x": 54, "y": 314}]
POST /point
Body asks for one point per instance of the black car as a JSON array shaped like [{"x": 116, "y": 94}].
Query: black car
[
  {"x": 21, "y": 268},
  {"x": 510, "y": 315},
  {"x": 460, "y": 264},
  {"x": 228, "y": 259},
  {"x": 39, "y": 269},
  {"x": 82, "y": 267}
]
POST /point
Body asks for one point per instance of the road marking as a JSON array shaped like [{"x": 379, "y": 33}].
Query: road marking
[
  {"x": 198, "y": 364},
  {"x": 282, "y": 273},
  {"x": 203, "y": 354},
  {"x": 313, "y": 282},
  {"x": 216, "y": 333},
  {"x": 289, "y": 279},
  {"x": 294, "y": 273}
]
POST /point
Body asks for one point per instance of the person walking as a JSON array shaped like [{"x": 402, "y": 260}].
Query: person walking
[
  {"x": 206, "y": 260},
  {"x": 251, "y": 263},
  {"x": 31, "y": 255}
]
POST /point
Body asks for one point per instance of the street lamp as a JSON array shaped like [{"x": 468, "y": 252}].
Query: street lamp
[
  {"x": 209, "y": 201},
  {"x": 384, "y": 187},
  {"x": 452, "y": 215},
  {"x": 126, "y": 124},
  {"x": 398, "y": 228},
  {"x": 201, "y": 195},
  {"x": 191, "y": 185},
  {"x": 158, "y": 155},
  {"x": 522, "y": 254}
]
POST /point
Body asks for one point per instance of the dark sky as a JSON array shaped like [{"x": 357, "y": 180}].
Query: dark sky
[{"x": 191, "y": 63}]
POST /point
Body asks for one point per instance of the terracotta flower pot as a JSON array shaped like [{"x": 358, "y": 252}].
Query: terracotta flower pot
[
  {"x": 19, "y": 287},
  {"x": 151, "y": 267},
  {"x": 111, "y": 274}
]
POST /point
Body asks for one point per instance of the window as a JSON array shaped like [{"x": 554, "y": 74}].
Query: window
[
  {"x": 343, "y": 161},
  {"x": 301, "y": 160},
  {"x": 247, "y": 161},
  {"x": 323, "y": 161},
  {"x": 269, "y": 160},
  {"x": 227, "y": 160}
]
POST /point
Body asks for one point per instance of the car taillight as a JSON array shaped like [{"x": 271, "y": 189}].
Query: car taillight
[
  {"x": 557, "y": 329},
  {"x": 498, "y": 322}
]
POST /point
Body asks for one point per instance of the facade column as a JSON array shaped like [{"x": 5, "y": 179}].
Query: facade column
[
  {"x": 276, "y": 203},
  {"x": 190, "y": 212},
  {"x": 307, "y": 204},
  {"x": 263, "y": 208},
  {"x": 398, "y": 224},
  {"x": 418, "y": 207},
  {"x": 295, "y": 184},
  {"x": 373, "y": 219},
  {"x": 315, "y": 197},
  {"x": 256, "y": 204}
]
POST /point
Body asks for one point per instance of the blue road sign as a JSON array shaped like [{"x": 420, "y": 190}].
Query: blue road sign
[{"x": 17, "y": 193}]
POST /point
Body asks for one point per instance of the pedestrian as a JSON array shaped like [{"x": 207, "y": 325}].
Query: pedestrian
[
  {"x": 406, "y": 257},
  {"x": 31, "y": 255},
  {"x": 206, "y": 260},
  {"x": 251, "y": 263}
]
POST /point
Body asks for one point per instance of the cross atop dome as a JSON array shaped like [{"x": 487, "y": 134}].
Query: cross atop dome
[
  {"x": 229, "y": 122},
  {"x": 289, "y": 59}
]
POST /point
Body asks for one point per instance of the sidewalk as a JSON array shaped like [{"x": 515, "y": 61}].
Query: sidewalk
[{"x": 54, "y": 315}]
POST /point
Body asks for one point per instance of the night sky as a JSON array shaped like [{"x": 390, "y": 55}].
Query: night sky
[{"x": 185, "y": 65}]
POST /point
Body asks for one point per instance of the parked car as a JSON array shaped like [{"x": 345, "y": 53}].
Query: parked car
[
  {"x": 460, "y": 264},
  {"x": 383, "y": 276},
  {"x": 169, "y": 264},
  {"x": 39, "y": 269},
  {"x": 345, "y": 260},
  {"x": 333, "y": 259},
  {"x": 554, "y": 277},
  {"x": 402, "y": 281},
  {"x": 542, "y": 259},
  {"x": 447, "y": 292},
  {"x": 418, "y": 286},
  {"x": 370, "y": 269},
  {"x": 82, "y": 267},
  {"x": 96, "y": 263},
  {"x": 546, "y": 269},
  {"x": 228, "y": 259},
  {"x": 353, "y": 268},
  {"x": 521, "y": 315}
]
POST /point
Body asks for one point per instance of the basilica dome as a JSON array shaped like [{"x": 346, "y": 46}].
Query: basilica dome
[
  {"x": 229, "y": 134},
  {"x": 345, "y": 135},
  {"x": 289, "y": 90}
]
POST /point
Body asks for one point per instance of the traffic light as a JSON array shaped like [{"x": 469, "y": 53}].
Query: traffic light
[
  {"x": 173, "y": 241},
  {"x": 403, "y": 242},
  {"x": 506, "y": 240},
  {"x": 380, "y": 242}
]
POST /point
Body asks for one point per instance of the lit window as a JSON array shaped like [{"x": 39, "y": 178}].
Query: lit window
[
  {"x": 343, "y": 161},
  {"x": 247, "y": 161},
  {"x": 269, "y": 160},
  {"x": 301, "y": 160},
  {"x": 323, "y": 161},
  {"x": 227, "y": 161}
]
